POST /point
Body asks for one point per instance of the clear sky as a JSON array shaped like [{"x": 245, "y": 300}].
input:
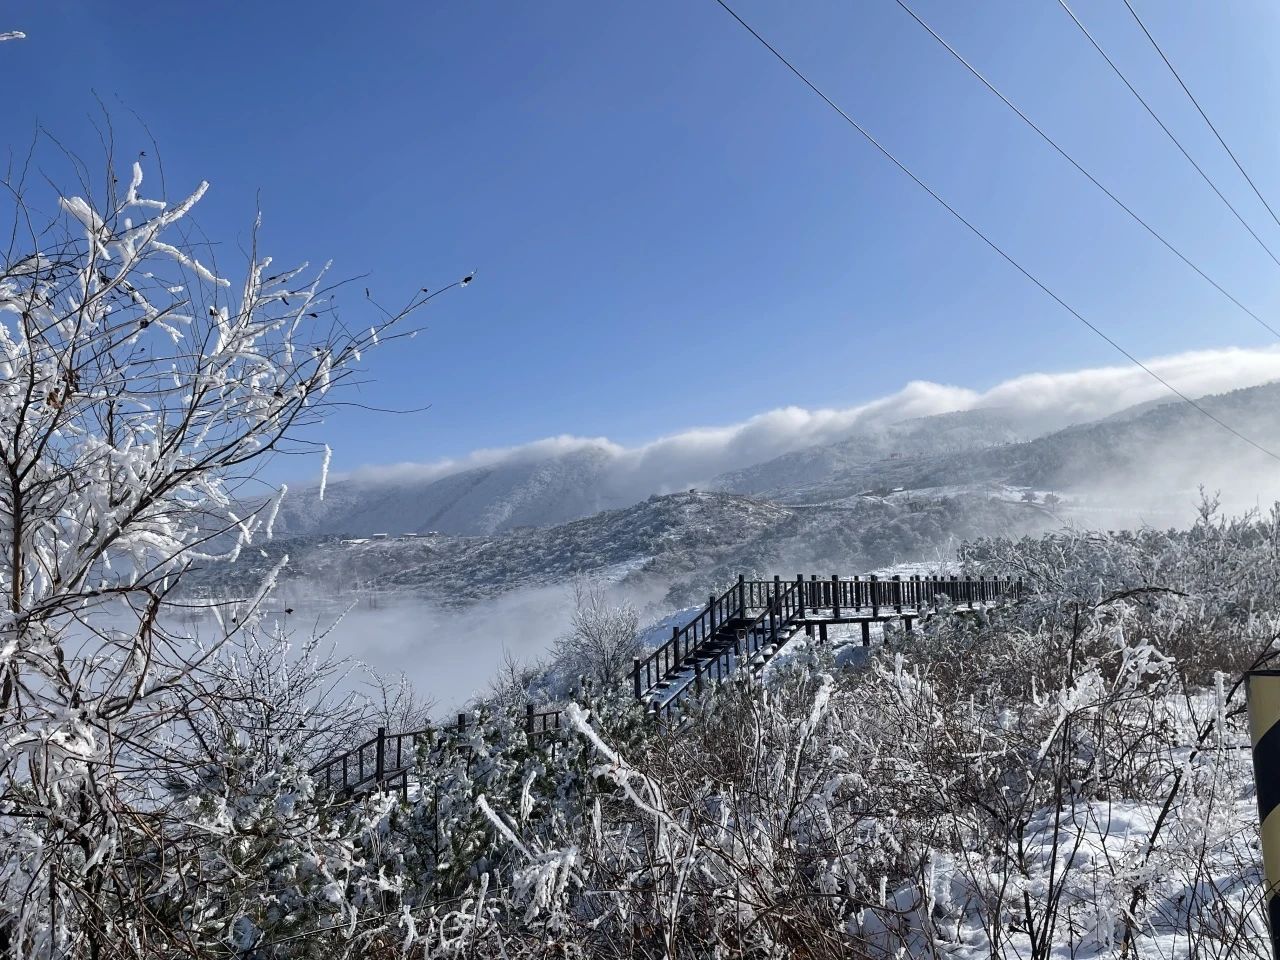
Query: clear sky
[{"x": 670, "y": 230}]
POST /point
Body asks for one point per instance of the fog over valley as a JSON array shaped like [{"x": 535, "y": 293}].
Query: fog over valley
[{"x": 448, "y": 569}]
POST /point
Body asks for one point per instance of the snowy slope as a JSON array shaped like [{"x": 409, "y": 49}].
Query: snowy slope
[
  {"x": 474, "y": 502},
  {"x": 683, "y": 543}
]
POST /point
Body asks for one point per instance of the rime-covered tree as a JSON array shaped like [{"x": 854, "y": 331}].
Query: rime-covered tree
[{"x": 141, "y": 390}]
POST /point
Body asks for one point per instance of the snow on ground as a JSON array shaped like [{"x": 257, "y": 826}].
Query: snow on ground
[{"x": 1104, "y": 844}]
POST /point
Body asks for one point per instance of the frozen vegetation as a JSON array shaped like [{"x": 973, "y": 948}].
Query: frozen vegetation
[{"x": 1058, "y": 777}]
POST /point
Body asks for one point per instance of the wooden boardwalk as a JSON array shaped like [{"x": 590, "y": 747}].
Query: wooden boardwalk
[
  {"x": 740, "y": 630},
  {"x": 746, "y": 626}
]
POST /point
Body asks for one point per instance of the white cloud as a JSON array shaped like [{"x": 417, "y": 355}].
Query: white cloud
[{"x": 1045, "y": 400}]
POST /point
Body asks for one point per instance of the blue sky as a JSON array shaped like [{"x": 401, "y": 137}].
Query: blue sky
[{"x": 669, "y": 229}]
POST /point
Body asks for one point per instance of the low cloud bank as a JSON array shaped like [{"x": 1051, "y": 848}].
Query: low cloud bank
[
  {"x": 452, "y": 655},
  {"x": 1043, "y": 401}
]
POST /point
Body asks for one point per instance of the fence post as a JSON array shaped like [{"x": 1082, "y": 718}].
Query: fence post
[
  {"x": 857, "y": 598},
  {"x": 380, "y": 757},
  {"x": 835, "y": 596},
  {"x": 897, "y": 593},
  {"x": 462, "y": 723},
  {"x": 742, "y": 595},
  {"x": 675, "y": 649},
  {"x": 635, "y": 674},
  {"x": 528, "y": 720},
  {"x": 697, "y": 677},
  {"x": 866, "y": 633},
  {"x": 800, "y": 593},
  {"x": 1262, "y": 693},
  {"x": 875, "y": 601},
  {"x": 773, "y": 628}
]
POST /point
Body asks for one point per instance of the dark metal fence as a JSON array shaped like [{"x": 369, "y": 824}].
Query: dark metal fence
[{"x": 751, "y": 618}]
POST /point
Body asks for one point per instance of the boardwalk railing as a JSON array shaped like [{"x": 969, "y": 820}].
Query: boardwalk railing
[
  {"x": 384, "y": 762},
  {"x": 831, "y": 600},
  {"x": 743, "y": 627},
  {"x": 769, "y": 630}
]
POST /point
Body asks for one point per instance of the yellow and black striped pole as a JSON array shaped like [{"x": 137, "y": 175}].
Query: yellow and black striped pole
[{"x": 1262, "y": 688}]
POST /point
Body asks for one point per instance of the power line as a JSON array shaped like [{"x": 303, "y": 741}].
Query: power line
[
  {"x": 1169, "y": 133},
  {"x": 884, "y": 151},
  {"x": 1085, "y": 173},
  {"x": 1190, "y": 96}
]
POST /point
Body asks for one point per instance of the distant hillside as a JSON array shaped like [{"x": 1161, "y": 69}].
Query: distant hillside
[
  {"x": 876, "y": 449},
  {"x": 682, "y": 543}
]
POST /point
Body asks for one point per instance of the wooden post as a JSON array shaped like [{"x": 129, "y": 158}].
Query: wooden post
[
  {"x": 380, "y": 757},
  {"x": 897, "y": 593},
  {"x": 773, "y": 626},
  {"x": 822, "y": 632},
  {"x": 907, "y": 623},
  {"x": 800, "y": 593},
  {"x": 462, "y": 723},
  {"x": 742, "y": 595},
  {"x": 635, "y": 673},
  {"x": 711, "y": 617},
  {"x": 857, "y": 597},
  {"x": 815, "y": 593},
  {"x": 675, "y": 648},
  {"x": 528, "y": 720},
  {"x": 697, "y": 676},
  {"x": 835, "y": 597},
  {"x": 866, "y": 633},
  {"x": 875, "y": 601}
]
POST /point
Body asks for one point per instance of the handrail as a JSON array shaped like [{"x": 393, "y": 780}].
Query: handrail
[
  {"x": 763, "y": 613},
  {"x": 776, "y": 615}
]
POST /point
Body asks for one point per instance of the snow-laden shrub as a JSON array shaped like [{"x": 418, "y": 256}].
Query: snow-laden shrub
[{"x": 1061, "y": 776}]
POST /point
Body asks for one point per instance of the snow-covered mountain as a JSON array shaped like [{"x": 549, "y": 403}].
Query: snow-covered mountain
[
  {"x": 879, "y": 496},
  {"x": 1145, "y": 455},
  {"x": 474, "y": 502},
  {"x": 564, "y": 486},
  {"x": 943, "y": 434}
]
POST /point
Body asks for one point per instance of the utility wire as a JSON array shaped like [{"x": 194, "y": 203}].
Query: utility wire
[
  {"x": 1085, "y": 173},
  {"x": 1190, "y": 96},
  {"x": 1169, "y": 133},
  {"x": 884, "y": 151}
]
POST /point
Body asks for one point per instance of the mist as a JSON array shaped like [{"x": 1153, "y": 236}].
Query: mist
[{"x": 451, "y": 655}]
